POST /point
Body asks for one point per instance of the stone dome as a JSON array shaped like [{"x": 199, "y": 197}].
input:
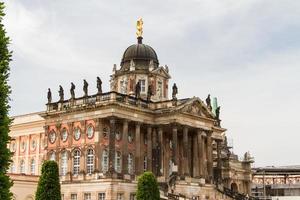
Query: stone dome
[{"x": 139, "y": 53}]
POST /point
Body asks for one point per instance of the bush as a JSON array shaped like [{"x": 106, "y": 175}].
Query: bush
[
  {"x": 49, "y": 186},
  {"x": 147, "y": 187}
]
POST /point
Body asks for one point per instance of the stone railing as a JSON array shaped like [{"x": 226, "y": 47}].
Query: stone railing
[{"x": 104, "y": 98}]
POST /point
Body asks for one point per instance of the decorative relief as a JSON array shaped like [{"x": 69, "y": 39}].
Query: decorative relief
[{"x": 195, "y": 108}]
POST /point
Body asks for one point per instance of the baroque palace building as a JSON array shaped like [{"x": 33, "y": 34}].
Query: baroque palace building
[{"x": 103, "y": 142}]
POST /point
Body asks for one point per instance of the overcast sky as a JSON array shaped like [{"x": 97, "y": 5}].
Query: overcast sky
[{"x": 246, "y": 53}]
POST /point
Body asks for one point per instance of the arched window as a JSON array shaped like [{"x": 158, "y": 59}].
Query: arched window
[
  {"x": 64, "y": 163},
  {"x": 52, "y": 156},
  {"x": 76, "y": 162},
  {"x": 118, "y": 162},
  {"x": 130, "y": 163},
  {"x": 32, "y": 166},
  {"x": 105, "y": 161},
  {"x": 90, "y": 161},
  {"x": 22, "y": 167}
]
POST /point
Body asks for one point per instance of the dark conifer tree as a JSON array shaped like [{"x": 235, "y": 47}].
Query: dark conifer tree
[
  {"x": 48, "y": 186},
  {"x": 5, "y": 154}
]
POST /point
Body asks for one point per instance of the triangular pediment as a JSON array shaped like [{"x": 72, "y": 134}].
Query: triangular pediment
[
  {"x": 162, "y": 72},
  {"x": 195, "y": 106}
]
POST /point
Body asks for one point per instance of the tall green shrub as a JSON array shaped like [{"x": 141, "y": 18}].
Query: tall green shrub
[
  {"x": 49, "y": 186},
  {"x": 147, "y": 187},
  {"x": 5, "y": 154}
]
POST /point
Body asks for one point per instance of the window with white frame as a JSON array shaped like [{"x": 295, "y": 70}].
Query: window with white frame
[
  {"x": 64, "y": 163},
  {"x": 90, "y": 161},
  {"x": 145, "y": 163},
  {"x": 105, "y": 160},
  {"x": 87, "y": 196},
  {"x": 52, "y": 156},
  {"x": 120, "y": 196},
  {"x": 118, "y": 164},
  {"x": 12, "y": 167},
  {"x": 76, "y": 162},
  {"x": 22, "y": 167},
  {"x": 73, "y": 196},
  {"x": 160, "y": 89},
  {"x": 101, "y": 196},
  {"x": 143, "y": 85},
  {"x": 130, "y": 163},
  {"x": 32, "y": 166}
]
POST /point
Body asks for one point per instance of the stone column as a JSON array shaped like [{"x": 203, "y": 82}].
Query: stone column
[
  {"x": 160, "y": 151},
  {"x": 195, "y": 156},
  {"x": 209, "y": 157},
  {"x": 98, "y": 127},
  {"x": 149, "y": 148},
  {"x": 219, "y": 162},
  {"x": 111, "y": 146},
  {"x": 190, "y": 146},
  {"x": 175, "y": 146},
  {"x": 125, "y": 147},
  {"x": 200, "y": 152},
  {"x": 138, "y": 148},
  {"x": 100, "y": 143},
  {"x": 154, "y": 152},
  {"x": 186, "y": 167}
]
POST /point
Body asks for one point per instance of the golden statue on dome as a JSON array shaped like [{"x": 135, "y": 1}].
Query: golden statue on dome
[{"x": 139, "y": 27}]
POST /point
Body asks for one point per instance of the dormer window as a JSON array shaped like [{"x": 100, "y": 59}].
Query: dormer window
[{"x": 143, "y": 85}]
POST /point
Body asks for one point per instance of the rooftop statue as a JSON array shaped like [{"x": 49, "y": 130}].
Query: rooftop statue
[
  {"x": 174, "y": 91},
  {"x": 49, "y": 96},
  {"x": 137, "y": 90},
  {"x": 72, "y": 90},
  {"x": 218, "y": 112},
  {"x": 61, "y": 93},
  {"x": 85, "y": 87},
  {"x": 208, "y": 102},
  {"x": 99, "y": 85},
  {"x": 139, "y": 27}
]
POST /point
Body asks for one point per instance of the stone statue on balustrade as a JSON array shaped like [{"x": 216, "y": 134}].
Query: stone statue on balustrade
[
  {"x": 208, "y": 102},
  {"x": 138, "y": 90},
  {"x": 218, "y": 112},
  {"x": 49, "y": 96},
  {"x": 85, "y": 87},
  {"x": 72, "y": 90},
  {"x": 174, "y": 91},
  {"x": 99, "y": 85},
  {"x": 61, "y": 93}
]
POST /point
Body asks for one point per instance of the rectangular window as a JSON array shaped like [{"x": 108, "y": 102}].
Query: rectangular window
[
  {"x": 101, "y": 196},
  {"x": 145, "y": 163},
  {"x": 73, "y": 196},
  {"x": 87, "y": 196},
  {"x": 143, "y": 85},
  {"x": 132, "y": 196},
  {"x": 120, "y": 196},
  {"x": 160, "y": 92}
]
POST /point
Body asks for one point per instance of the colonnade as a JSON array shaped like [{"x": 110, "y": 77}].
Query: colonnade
[{"x": 167, "y": 149}]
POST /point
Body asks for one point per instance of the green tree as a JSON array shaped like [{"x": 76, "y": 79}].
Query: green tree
[
  {"x": 5, "y": 154},
  {"x": 48, "y": 186},
  {"x": 147, "y": 187}
]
